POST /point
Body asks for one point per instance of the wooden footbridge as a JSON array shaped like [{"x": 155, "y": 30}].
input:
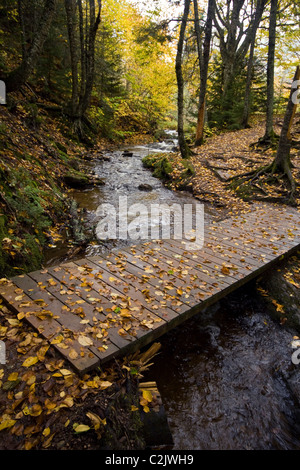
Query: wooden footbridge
[{"x": 101, "y": 307}]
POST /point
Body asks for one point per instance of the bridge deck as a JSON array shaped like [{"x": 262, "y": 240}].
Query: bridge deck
[{"x": 101, "y": 307}]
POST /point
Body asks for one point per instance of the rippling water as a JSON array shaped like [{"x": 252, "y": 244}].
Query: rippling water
[
  {"x": 227, "y": 380},
  {"x": 123, "y": 177}
]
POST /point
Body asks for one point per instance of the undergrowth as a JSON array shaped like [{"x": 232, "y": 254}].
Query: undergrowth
[{"x": 33, "y": 197}]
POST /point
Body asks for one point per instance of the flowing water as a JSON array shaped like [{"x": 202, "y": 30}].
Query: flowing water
[{"x": 226, "y": 377}]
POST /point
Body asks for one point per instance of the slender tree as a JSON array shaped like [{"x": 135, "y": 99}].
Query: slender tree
[
  {"x": 246, "y": 110},
  {"x": 269, "y": 132},
  {"x": 184, "y": 149},
  {"x": 282, "y": 162},
  {"x": 203, "y": 55}
]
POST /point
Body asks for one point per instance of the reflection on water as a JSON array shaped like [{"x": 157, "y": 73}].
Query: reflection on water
[{"x": 227, "y": 380}]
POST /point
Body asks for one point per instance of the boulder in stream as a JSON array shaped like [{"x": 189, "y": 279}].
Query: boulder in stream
[
  {"x": 145, "y": 187},
  {"x": 126, "y": 153},
  {"x": 78, "y": 180}
]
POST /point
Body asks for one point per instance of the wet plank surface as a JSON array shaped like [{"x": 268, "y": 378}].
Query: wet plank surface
[{"x": 97, "y": 308}]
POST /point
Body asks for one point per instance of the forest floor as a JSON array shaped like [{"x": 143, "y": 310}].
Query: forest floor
[
  {"x": 214, "y": 172},
  {"x": 44, "y": 404}
]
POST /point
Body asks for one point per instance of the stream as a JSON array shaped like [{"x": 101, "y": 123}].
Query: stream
[{"x": 226, "y": 377}]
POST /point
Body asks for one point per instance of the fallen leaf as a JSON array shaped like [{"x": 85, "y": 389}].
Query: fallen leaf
[
  {"x": 30, "y": 361},
  {"x": 79, "y": 428},
  {"x": 85, "y": 341}
]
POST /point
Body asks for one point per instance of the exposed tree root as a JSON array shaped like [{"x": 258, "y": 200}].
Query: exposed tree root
[
  {"x": 266, "y": 142},
  {"x": 275, "y": 172}
]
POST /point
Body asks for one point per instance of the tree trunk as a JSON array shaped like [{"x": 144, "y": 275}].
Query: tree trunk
[
  {"x": 269, "y": 133},
  {"x": 203, "y": 62},
  {"x": 282, "y": 162},
  {"x": 246, "y": 111},
  {"x": 86, "y": 44},
  {"x": 70, "y": 7},
  {"x": 184, "y": 149},
  {"x": 20, "y": 75},
  {"x": 90, "y": 54},
  {"x": 235, "y": 45}
]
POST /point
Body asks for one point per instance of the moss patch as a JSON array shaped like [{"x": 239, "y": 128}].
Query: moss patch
[{"x": 170, "y": 168}]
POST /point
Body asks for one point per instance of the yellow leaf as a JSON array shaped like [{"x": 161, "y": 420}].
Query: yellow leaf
[
  {"x": 73, "y": 354},
  {"x": 48, "y": 441},
  {"x": 96, "y": 420},
  {"x": 125, "y": 313},
  {"x": 134, "y": 408},
  {"x": 30, "y": 361},
  {"x": 19, "y": 297},
  {"x": 57, "y": 340},
  {"x": 35, "y": 410},
  {"x": 225, "y": 270},
  {"x": 12, "y": 377},
  {"x": 46, "y": 432},
  {"x": 69, "y": 401},
  {"x": 146, "y": 409},
  {"x": 7, "y": 423},
  {"x": 80, "y": 428},
  {"x": 85, "y": 341},
  {"x": 65, "y": 371},
  {"x": 122, "y": 332},
  {"x": 105, "y": 384},
  {"x": 147, "y": 395}
]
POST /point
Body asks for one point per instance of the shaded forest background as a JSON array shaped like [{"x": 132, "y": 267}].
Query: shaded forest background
[{"x": 114, "y": 62}]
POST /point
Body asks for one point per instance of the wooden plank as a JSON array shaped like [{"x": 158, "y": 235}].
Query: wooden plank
[
  {"x": 49, "y": 328},
  {"x": 103, "y": 309},
  {"x": 146, "y": 256},
  {"x": 162, "y": 276},
  {"x": 208, "y": 256},
  {"x": 139, "y": 316},
  {"x": 140, "y": 290},
  {"x": 194, "y": 285},
  {"x": 262, "y": 229},
  {"x": 263, "y": 248},
  {"x": 247, "y": 233},
  {"x": 80, "y": 311},
  {"x": 267, "y": 237},
  {"x": 211, "y": 274}
]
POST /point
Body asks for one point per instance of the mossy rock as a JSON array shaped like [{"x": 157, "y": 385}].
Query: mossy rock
[
  {"x": 76, "y": 179},
  {"x": 161, "y": 166}
]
